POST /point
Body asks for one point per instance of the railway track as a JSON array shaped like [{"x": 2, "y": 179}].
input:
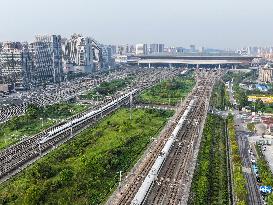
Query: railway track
[
  {"x": 175, "y": 171},
  {"x": 17, "y": 157},
  {"x": 180, "y": 148},
  {"x": 127, "y": 195},
  {"x": 180, "y": 156}
]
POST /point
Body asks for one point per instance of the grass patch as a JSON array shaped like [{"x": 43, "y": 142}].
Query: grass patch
[
  {"x": 168, "y": 91},
  {"x": 85, "y": 170}
]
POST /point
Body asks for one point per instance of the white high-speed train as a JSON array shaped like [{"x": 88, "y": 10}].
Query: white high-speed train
[
  {"x": 69, "y": 125},
  {"x": 153, "y": 173}
]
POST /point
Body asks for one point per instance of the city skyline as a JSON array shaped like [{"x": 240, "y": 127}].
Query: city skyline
[{"x": 211, "y": 23}]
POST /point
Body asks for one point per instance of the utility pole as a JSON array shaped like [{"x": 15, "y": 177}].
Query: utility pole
[
  {"x": 40, "y": 150},
  {"x": 131, "y": 102},
  {"x": 120, "y": 175},
  {"x": 71, "y": 131}
]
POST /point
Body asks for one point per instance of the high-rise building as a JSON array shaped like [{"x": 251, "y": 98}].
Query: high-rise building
[
  {"x": 172, "y": 49},
  {"x": 107, "y": 56},
  {"x": 97, "y": 56},
  {"x": 78, "y": 53},
  {"x": 125, "y": 49},
  {"x": 29, "y": 72},
  {"x": 48, "y": 58},
  {"x": 192, "y": 48},
  {"x": 266, "y": 74},
  {"x": 121, "y": 50},
  {"x": 132, "y": 49},
  {"x": 201, "y": 49},
  {"x": 156, "y": 48},
  {"x": 180, "y": 49},
  {"x": 11, "y": 62},
  {"x": 141, "y": 49},
  {"x": 114, "y": 49}
]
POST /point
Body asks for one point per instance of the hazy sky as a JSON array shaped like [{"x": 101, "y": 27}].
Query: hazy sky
[{"x": 209, "y": 23}]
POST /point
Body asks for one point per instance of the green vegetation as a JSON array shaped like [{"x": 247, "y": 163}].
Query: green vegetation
[
  {"x": 258, "y": 105},
  {"x": 267, "y": 108},
  {"x": 239, "y": 77},
  {"x": 210, "y": 181},
  {"x": 168, "y": 91},
  {"x": 85, "y": 170},
  {"x": 264, "y": 172},
  {"x": 251, "y": 126},
  {"x": 107, "y": 88},
  {"x": 241, "y": 95},
  {"x": 35, "y": 120},
  {"x": 219, "y": 97},
  {"x": 239, "y": 181}
]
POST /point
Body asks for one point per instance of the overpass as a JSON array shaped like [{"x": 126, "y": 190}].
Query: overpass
[{"x": 191, "y": 61}]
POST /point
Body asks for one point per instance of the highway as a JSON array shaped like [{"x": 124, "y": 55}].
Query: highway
[
  {"x": 254, "y": 197},
  {"x": 163, "y": 175}
]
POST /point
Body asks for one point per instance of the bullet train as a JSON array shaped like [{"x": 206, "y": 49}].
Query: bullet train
[
  {"x": 77, "y": 121},
  {"x": 153, "y": 173}
]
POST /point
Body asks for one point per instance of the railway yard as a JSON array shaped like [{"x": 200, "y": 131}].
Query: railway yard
[
  {"x": 129, "y": 103},
  {"x": 18, "y": 156},
  {"x": 164, "y": 172},
  {"x": 163, "y": 175}
]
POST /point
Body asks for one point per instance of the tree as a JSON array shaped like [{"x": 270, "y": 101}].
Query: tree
[
  {"x": 259, "y": 105},
  {"x": 33, "y": 111},
  {"x": 243, "y": 99}
]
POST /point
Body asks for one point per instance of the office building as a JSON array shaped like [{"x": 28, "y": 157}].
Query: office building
[
  {"x": 114, "y": 49},
  {"x": 180, "y": 49},
  {"x": 107, "y": 56},
  {"x": 11, "y": 62},
  {"x": 156, "y": 48},
  {"x": 29, "y": 72},
  {"x": 266, "y": 74},
  {"x": 141, "y": 49},
  {"x": 172, "y": 49},
  {"x": 97, "y": 56},
  {"x": 192, "y": 48},
  {"x": 125, "y": 49},
  {"x": 78, "y": 53},
  {"x": 201, "y": 49},
  {"x": 48, "y": 59}
]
